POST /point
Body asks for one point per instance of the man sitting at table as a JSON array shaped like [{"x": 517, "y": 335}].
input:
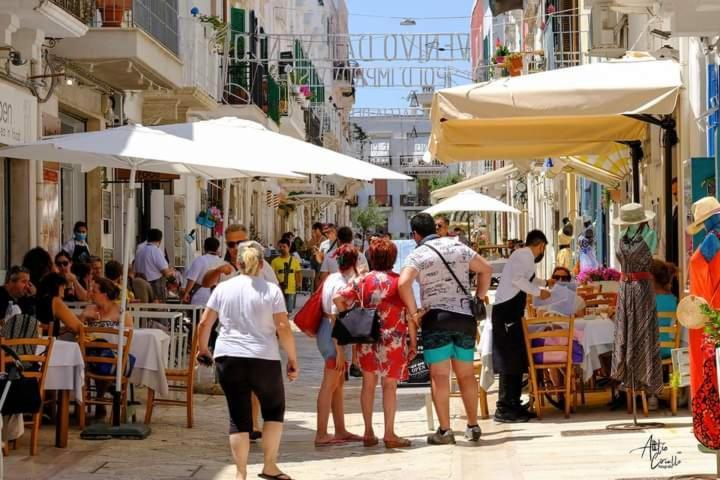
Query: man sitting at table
[
  {"x": 18, "y": 290},
  {"x": 509, "y": 353}
]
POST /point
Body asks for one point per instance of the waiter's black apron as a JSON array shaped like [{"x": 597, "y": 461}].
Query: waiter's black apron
[
  {"x": 509, "y": 352},
  {"x": 80, "y": 254}
]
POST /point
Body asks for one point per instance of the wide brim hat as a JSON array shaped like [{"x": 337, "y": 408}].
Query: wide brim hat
[
  {"x": 689, "y": 312},
  {"x": 633, "y": 214},
  {"x": 702, "y": 210}
]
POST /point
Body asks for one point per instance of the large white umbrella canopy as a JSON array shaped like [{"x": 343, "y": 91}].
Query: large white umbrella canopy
[
  {"x": 470, "y": 201},
  {"x": 257, "y": 145},
  {"x": 136, "y": 147},
  {"x": 147, "y": 148}
]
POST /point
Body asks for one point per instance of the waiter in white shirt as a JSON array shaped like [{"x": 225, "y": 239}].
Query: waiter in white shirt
[
  {"x": 150, "y": 261},
  {"x": 194, "y": 292},
  {"x": 509, "y": 352}
]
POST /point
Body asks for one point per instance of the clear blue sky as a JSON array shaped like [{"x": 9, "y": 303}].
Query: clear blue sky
[{"x": 371, "y": 16}]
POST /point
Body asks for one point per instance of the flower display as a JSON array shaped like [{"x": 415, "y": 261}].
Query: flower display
[{"x": 598, "y": 275}]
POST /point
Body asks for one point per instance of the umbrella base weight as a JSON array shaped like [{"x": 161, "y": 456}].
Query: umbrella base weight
[
  {"x": 129, "y": 431},
  {"x": 635, "y": 426}
]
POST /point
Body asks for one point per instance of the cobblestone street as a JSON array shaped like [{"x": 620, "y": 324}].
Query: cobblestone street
[{"x": 553, "y": 448}]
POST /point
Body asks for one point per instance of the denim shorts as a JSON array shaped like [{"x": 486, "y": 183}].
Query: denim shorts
[{"x": 326, "y": 344}]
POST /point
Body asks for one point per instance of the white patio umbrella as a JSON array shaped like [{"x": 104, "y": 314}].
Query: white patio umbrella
[
  {"x": 134, "y": 147},
  {"x": 261, "y": 146},
  {"x": 470, "y": 201}
]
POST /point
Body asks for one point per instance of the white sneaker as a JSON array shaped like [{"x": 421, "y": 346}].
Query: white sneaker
[{"x": 473, "y": 433}]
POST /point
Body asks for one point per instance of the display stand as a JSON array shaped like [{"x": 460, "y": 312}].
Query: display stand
[{"x": 635, "y": 425}]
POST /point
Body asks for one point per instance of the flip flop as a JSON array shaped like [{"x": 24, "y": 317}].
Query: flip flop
[
  {"x": 370, "y": 441},
  {"x": 279, "y": 476},
  {"x": 353, "y": 438},
  {"x": 331, "y": 442},
  {"x": 399, "y": 443}
]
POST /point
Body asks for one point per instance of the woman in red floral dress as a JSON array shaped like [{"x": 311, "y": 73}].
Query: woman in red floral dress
[{"x": 387, "y": 359}]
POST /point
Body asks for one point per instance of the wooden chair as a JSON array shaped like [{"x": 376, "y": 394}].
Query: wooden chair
[
  {"x": 180, "y": 380},
  {"x": 601, "y": 303},
  {"x": 40, "y": 363},
  {"x": 566, "y": 368},
  {"x": 90, "y": 342},
  {"x": 587, "y": 291}
]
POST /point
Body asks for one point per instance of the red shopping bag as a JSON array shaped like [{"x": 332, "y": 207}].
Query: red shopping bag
[{"x": 308, "y": 317}]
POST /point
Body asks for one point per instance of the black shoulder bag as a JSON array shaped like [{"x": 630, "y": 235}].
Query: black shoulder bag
[
  {"x": 477, "y": 305},
  {"x": 357, "y": 325}
]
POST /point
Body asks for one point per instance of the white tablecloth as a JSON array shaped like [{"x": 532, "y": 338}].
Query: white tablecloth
[
  {"x": 66, "y": 370},
  {"x": 597, "y": 338},
  {"x": 498, "y": 265},
  {"x": 150, "y": 348}
]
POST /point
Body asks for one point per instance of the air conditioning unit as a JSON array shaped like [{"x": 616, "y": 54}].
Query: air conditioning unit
[{"x": 608, "y": 29}]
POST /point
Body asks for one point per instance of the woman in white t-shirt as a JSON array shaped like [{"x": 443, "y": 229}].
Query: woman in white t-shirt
[
  {"x": 335, "y": 356},
  {"x": 252, "y": 317}
]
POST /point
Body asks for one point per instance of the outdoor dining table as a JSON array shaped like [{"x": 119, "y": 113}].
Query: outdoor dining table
[
  {"x": 595, "y": 333},
  {"x": 150, "y": 348},
  {"x": 65, "y": 374}
]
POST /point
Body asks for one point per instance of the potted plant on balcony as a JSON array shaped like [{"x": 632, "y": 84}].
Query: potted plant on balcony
[
  {"x": 498, "y": 60},
  {"x": 113, "y": 11},
  {"x": 514, "y": 64}
]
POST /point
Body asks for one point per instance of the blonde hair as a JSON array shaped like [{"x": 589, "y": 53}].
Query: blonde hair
[{"x": 250, "y": 256}]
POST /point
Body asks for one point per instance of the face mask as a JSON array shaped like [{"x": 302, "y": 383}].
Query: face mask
[
  {"x": 80, "y": 236},
  {"x": 539, "y": 258}
]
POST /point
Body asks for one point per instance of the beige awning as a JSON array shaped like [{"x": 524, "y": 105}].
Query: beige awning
[
  {"x": 490, "y": 178},
  {"x": 568, "y": 112}
]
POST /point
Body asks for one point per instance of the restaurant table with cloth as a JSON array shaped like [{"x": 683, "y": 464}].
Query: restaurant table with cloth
[
  {"x": 595, "y": 333},
  {"x": 150, "y": 348},
  {"x": 65, "y": 374}
]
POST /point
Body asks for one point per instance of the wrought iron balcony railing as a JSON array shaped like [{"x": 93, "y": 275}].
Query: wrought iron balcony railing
[
  {"x": 381, "y": 160},
  {"x": 381, "y": 200},
  {"x": 157, "y": 18},
  {"x": 420, "y": 201},
  {"x": 83, "y": 10},
  {"x": 416, "y": 162}
]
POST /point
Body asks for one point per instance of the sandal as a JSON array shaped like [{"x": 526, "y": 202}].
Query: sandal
[
  {"x": 370, "y": 441},
  {"x": 331, "y": 442},
  {"x": 397, "y": 443},
  {"x": 279, "y": 476}
]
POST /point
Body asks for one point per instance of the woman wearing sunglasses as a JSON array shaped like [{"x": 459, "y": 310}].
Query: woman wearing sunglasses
[
  {"x": 561, "y": 274},
  {"x": 74, "y": 291}
]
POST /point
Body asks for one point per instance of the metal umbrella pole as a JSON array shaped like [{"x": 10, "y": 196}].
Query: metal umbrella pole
[{"x": 117, "y": 430}]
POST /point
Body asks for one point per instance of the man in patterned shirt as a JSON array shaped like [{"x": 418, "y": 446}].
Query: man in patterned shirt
[{"x": 449, "y": 329}]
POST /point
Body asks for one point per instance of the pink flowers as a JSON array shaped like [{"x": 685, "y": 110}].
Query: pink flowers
[{"x": 598, "y": 275}]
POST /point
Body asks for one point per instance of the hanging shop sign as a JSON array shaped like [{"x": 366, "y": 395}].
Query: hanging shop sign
[{"x": 18, "y": 112}]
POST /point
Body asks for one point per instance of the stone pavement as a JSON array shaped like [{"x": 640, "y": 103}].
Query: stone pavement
[{"x": 554, "y": 448}]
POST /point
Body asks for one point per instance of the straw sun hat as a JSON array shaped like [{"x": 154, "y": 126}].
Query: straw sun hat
[
  {"x": 702, "y": 210},
  {"x": 688, "y": 312},
  {"x": 633, "y": 214}
]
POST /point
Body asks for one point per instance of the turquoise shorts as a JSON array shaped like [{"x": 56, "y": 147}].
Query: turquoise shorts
[{"x": 442, "y": 345}]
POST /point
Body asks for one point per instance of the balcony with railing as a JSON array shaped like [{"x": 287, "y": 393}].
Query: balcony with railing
[
  {"x": 380, "y": 160},
  {"x": 131, "y": 45},
  {"x": 83, "y": 10},
  {"x": 201, "y": 62},
  {"x": 414, "y": 201},
  {"x": 381, "y": 200},
  {"x": 415, "y": 163}
]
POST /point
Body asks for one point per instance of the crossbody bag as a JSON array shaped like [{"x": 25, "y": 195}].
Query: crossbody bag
[{"x": 477, "y": 305}]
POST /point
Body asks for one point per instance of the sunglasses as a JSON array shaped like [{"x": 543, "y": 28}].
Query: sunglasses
[
  {"x": 561, "y": 278},
  {"x": 62, "y": 264},
  {"x": 232, "y": 244},
  {"x": 438, "y": 226}
]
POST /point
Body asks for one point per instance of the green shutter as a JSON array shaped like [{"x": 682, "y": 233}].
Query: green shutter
[
  {"x": 273, "y": 98},
  {"x": 237, "y": 25}
]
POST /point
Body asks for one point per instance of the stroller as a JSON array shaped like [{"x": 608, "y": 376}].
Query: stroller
[{"x": 18, "y": 394}]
